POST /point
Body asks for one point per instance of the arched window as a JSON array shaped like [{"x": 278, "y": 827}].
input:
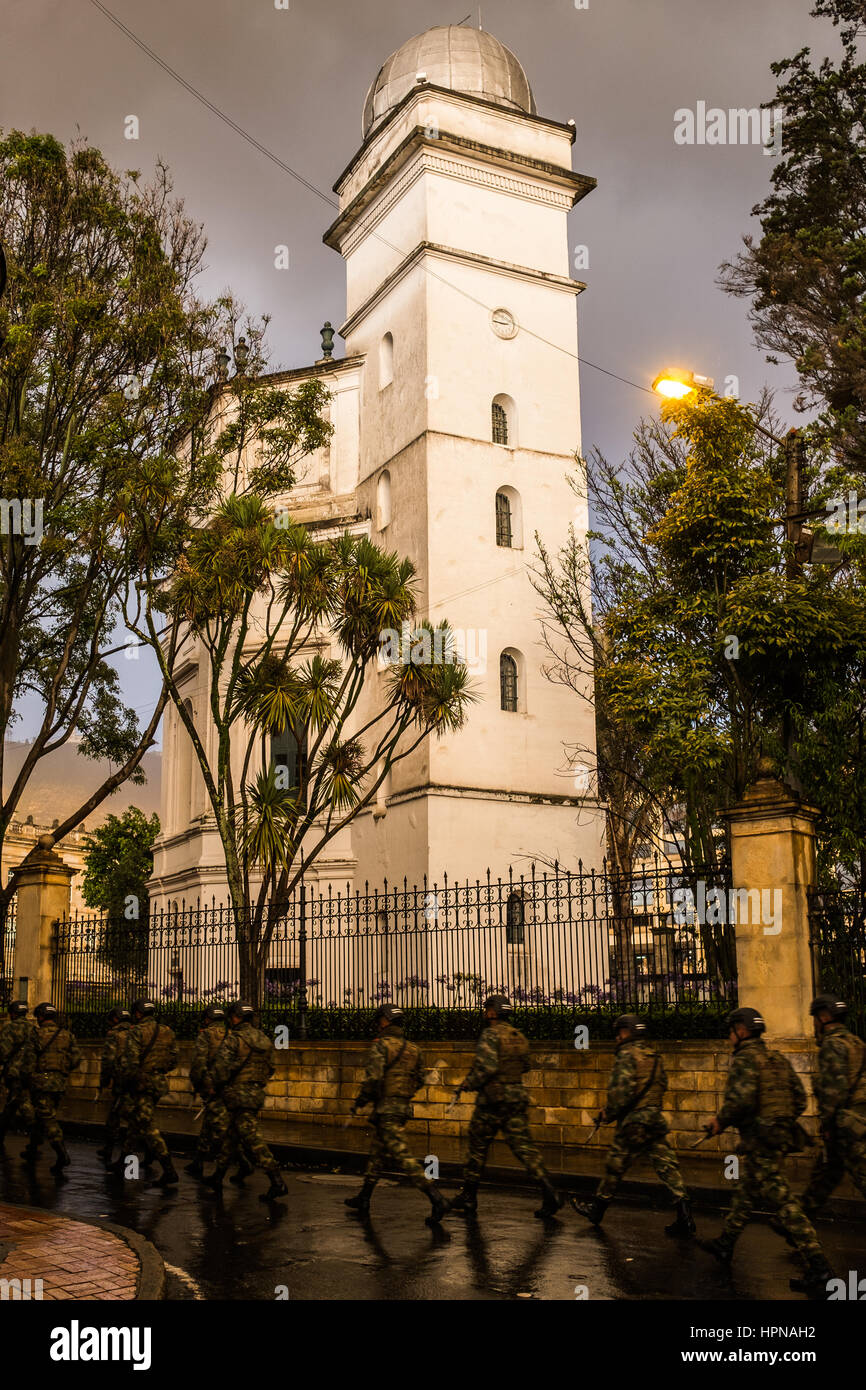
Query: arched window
[
  {"x": 383, "y": 500},
  {"x": 503, "y": 421},
  {"x": 514, "y": 920},
  {"x": 508, "y": 683},
  {"x": 503, "y": 519},
  {"x": 386, "y": 361},
  {"x": 289, "y": 757}
]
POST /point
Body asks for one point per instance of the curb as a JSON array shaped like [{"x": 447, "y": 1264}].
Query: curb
[{"x": 150, "y": 1284}]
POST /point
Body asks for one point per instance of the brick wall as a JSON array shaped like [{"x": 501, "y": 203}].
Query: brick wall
[{"x": 315, "y": 1084}]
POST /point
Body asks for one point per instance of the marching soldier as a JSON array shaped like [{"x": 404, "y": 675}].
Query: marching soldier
[
  {"x": 54, "y": 1053},
  {"x": 501, "y": 1058},
  {"x": 634, "y": 1102},
  {"x": 840, "y": 1090},
  {"x": 149, "y": 1054},
  {"x": 16, "y": 1041},
  {"x": 216, "y": 1120},
  {"x": 243, "y": 1065},
  {"x": 395, "y": 1071},
  {"x": 763, "y": 1098},
  {"x": 119, "y": 1024}
]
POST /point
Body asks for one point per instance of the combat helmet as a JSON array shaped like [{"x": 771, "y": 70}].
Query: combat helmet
[
  {"x": 17, "y": 1009},
  {"x": 750, "y": 1018},
  {"x": 245, "y": 1012},
  {"x": 635, "y": 1025},
  {"x": 500, "y": 1003},
  {"x": 118, "y": 1015},
  {"x": 145, "y": 1007},
  {"x": 45, "y": 1010},
  {"x": 392, "y": 1012},
  {"x": 828, "y": 1003},
  {"x": 214, "y": 1013}
]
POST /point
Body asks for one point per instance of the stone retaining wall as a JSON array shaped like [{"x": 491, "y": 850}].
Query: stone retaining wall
[{"x": 316, "y": 1082}]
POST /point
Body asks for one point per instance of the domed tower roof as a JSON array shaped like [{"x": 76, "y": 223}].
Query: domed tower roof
[{"x": 466, "y": 60}]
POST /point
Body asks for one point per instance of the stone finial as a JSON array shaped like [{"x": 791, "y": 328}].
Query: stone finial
[
  {"x": 765, "y": 768},
  {"x": 327, "y": 341}
]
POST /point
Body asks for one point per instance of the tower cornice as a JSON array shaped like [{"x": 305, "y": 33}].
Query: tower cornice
[
  {"x": 424, "y": 89},
  {"x": 528, "y": 175}
]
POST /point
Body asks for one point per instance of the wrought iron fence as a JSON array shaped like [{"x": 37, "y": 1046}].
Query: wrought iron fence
[
  {"x": 7, "y": 955},
  {"x": 568, "y": 948},
  {"x": 837, "y": 934}
]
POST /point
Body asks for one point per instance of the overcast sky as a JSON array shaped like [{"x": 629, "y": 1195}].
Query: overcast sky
[{"x": 661, "y": 220}]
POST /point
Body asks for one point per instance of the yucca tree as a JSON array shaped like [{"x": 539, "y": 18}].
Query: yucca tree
[{"x": 254, "y": 596}]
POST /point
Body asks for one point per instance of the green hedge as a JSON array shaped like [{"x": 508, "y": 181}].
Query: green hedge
[{"x": 431, "y": 1024}]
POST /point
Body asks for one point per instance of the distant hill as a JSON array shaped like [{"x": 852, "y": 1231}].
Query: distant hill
[{"x": 64, "y": 779}]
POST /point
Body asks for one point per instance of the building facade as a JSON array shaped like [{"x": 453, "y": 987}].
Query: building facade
[{"x": 456, "y": 415}]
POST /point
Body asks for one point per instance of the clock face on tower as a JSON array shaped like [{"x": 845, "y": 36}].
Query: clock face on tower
[{"x": 503, "y": 323}]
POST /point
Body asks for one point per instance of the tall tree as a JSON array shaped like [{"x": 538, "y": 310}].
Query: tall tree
[
  {"x": 706, "y": 645},
  {"x": 107, "y": 355},
  {"x": 805, "y": 276},
  {"x": 255, "y": 603}
]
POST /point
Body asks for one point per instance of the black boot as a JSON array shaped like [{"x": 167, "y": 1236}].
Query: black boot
[
  {"x": 169, "y": 1177},
  {"x": 551, "y": 1200},
  {"x": 215, "y": 1181},
  {"x": 466, "y": 1200},
  {"x": 63, "y": 1159},
  {"x": 721, "y": 1249},
  {"x": 195, "y": 1169},
  {"x": 277, "y": 1189},
  {"x": 685, "y": 1222},
  {"x": 593, "y": 1210},
  {"x": 244, "y": 1170},
  {"x": 361, "y": 1203},
  {"x": 438, "y": 1205},
  {"x": 30, "y": 1153},
  {"x": 816, "y": 1278}
]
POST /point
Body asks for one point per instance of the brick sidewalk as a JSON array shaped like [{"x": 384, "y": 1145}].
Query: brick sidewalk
[{"x": 72, "y": 1259}]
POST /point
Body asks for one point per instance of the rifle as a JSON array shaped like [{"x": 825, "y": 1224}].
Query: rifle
[
  {"x": 454, "y": 1099},
  {"x": 599, "y": 1121},
  {"x": 353, "y": 1113}
]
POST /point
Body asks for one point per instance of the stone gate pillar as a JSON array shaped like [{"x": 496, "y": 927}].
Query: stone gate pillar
[
  {"x": 772, "y": 869},
  {"x": 43, "y": 881}
]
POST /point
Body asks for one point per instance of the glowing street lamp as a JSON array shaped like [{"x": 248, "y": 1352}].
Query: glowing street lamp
[{"x": 674, "y": 383}]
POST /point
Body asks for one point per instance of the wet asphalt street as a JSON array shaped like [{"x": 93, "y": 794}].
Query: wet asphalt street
[{"x": 311, "y": 1248}]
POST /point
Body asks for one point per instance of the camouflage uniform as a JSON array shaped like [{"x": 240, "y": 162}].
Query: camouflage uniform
[
  {"x": 149, "y": 1054},
  {"x": 840, "y": 1090},
  {"x": 216, "y": 1120},
  {"x": 244, "y": 1063},
  {"x": 634, "y": 1100},
  {"x": 394, "y": 1072},
  {"x": 501, "y": 1058},
  {"x": 115, "y": 1041},
  {"x": 16, "y": 1043},
  {"x": 53, "y": 1055},
  {"x": 763, "y": 1097}
]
